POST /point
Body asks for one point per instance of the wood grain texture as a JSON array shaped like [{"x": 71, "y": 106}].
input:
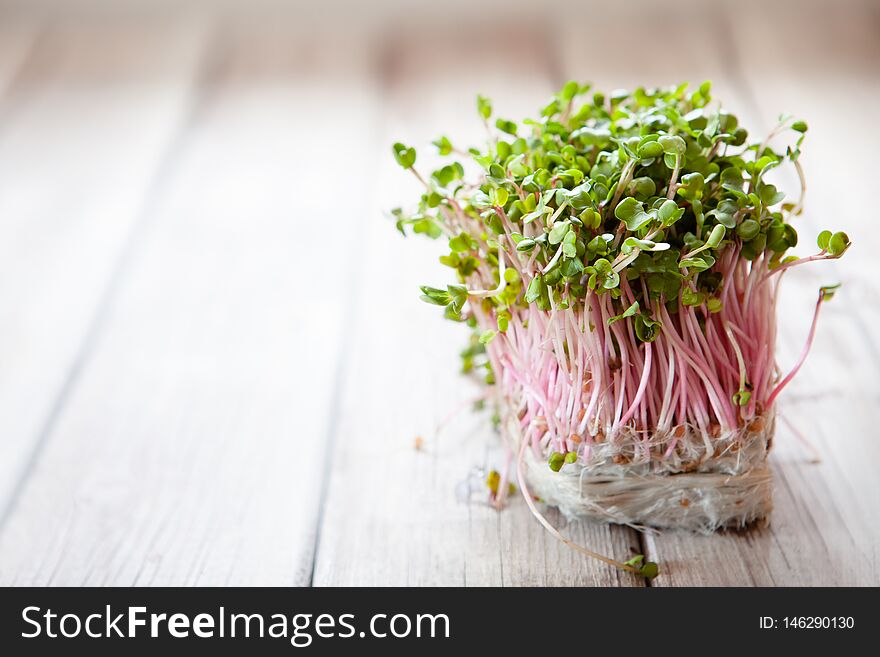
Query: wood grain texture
[
  {"x": 392, "y": 516},
  {"x": 73, "y": 176},
  {"x": 191, "y": 449}
]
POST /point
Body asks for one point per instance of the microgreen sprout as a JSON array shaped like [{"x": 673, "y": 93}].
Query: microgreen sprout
[
  {"x": 647, "y": 569},
  {"x": 493, "y": 483},
  {"x": 618, "y": 260}
]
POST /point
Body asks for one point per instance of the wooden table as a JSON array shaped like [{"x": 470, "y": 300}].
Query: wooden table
[{"x": 193, "y": 392}]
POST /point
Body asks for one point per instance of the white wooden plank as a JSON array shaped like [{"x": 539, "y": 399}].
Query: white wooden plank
[
  {"x": 81, "y": 136},
  {"x": 192, "y": 449},
  {"x": 392, "y": 516}
]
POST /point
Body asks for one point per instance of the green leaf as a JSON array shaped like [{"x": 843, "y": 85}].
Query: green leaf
[
  {"x": 725, "y": 213},
  {"x": 598, "y": 245},
  {"x": 699, "y": 262},
  {"x": 691, "y": 186},
  {"x": 672, "y": 144},
  {"x": 823, "y": 239},
  {"x": 449, "y": 173},
  {"x": 569, "y": 247},
  {"x": 461, "y": 243},
  {"x": 605, "y": 275},
  {"x": 497, "y": 172},
  {"x": 535, "y": 289},
  {"x": 632, "y": 213},
  {"x": 499, "y": 196},
  {"x": 770, "y": 195},
  {"x": 650, "y": 149},
  {"x": 487, "y": 336},
  {"x": 642, "y": 187},
  {"x": 444, "y": 146},
  {"x": 558, "y": 232},
  {"x": 506, "y": 126},
  {"x": 690, "y": 297},
  {"x": 827, "y": 291},
  {"x": 571, "y": 267},
  {"x": 405, "y": 156},
  {"x": 666, "y": 285},
  {"x": 590, "y": 136},
  {"x": 646, "y": 328},
  {"x": 838, "y": 243},
  {"x": 569, "y": 91},
  {"x": 526, "y": 245},
  {"x": 556, "y": 461},
  {"x": 629, "y": 312},
  {"x": 714, "y": 305},
  {"x": 575, "y": 174},
  {"x": 732, "y": 178},
  {"x": 669, "y": 213},
  {"x": 458, "y": 294},
  {"x": 450, "y": 313},
  {"x": 716, "y": 236},
  {"x": 650, "y": 570},
  {"x": 435, "y": 296},
  {"x": 484, "y": 107},
  {"x": 579, "y": 198},
  {"x": 749, "y": 229}
]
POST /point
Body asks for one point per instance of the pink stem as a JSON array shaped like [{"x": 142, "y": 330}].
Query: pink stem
[{"x": 646, "y": 372}]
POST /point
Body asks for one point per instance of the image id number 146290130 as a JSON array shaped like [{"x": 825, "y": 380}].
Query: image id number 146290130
[{"x": 807, "y": 623}]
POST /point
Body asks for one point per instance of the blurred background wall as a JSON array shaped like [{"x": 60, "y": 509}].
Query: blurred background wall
[{"x": 381, "y": 13}]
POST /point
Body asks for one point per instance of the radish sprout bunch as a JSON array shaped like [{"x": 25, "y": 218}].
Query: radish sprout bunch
[{"x": 618, "y": 258}]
